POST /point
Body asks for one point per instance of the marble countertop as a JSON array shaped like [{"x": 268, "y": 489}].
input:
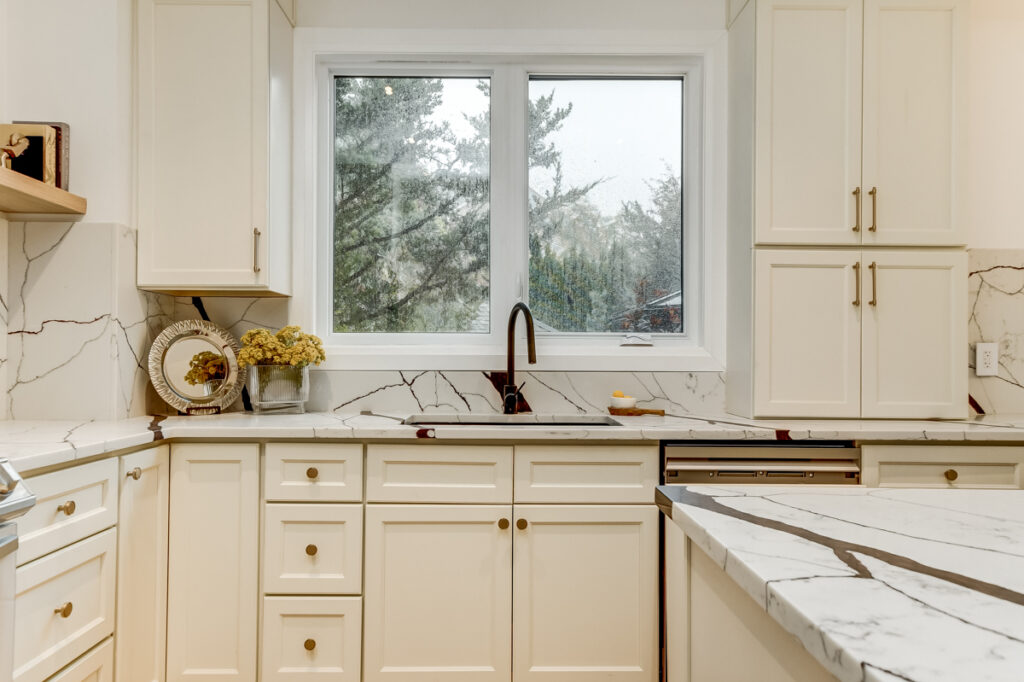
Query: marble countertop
[
  {"x": 878, "y": 584},
  {"x": 37, "y": 444}
]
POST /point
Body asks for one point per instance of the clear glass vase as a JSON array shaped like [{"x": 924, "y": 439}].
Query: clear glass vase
[{"x": 278, "y": 388}]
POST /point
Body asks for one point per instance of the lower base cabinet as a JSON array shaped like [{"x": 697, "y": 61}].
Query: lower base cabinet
[
  {"x": 95, "y": 666},
  {"x": 311, "y": 638}
]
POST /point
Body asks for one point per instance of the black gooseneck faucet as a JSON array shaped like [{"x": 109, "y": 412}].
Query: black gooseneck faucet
[{"x": 510, "y": 396}]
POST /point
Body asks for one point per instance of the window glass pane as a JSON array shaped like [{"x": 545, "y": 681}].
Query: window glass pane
[
  {"x": 605, "y": 176},
  {"x": 411, "y": 205}
]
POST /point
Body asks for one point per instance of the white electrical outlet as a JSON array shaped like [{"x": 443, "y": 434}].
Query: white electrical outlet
[{"x": 986, "y": 359}]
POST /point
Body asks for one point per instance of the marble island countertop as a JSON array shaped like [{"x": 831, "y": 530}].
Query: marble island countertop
[
  {"x": 878, "y": 584},
  {"x": 36, "y": 444}
]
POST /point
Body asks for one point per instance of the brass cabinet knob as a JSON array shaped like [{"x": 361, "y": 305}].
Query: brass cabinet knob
[
  {"x": 311, "y": 550},
  {"x": 951, "y": 475},
  {"x": 309, "y": 644},
  {"x": 64, "y": 610},
  {"x": 68, "y": 508},
  {"x": 521, "y": 524},
  {"x": 135, "y": 474},
  {"x": 503, "y": 523},
  {"x": 311, "y": 473}
]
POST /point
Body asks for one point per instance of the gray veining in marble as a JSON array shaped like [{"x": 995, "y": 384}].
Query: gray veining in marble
[
  {"x": 996, "y": 309},
  {"x": 878, "y": 584}
]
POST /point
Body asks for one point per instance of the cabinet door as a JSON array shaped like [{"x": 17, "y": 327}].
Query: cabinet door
[
  {"x": 438, "y": 592},
  {"x": 311, "y": 638},
  {"x": 95, "y": 666},
  {"x": 142, "y": 565},
  {"x": 212, "y": 590},
  {"x": 807, "y": 334},
  {"x": 914, "y": 109},
  {"x": 915, "y": 335},
  {"x": 202, "y": 159},
  {"x": 808, "y": 121},
  {"x": 585, "y": 596}
]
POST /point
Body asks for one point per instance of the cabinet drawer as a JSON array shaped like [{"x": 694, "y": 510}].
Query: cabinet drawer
[
  {"x": 95, "y": 666},
  {"x": 586, "y": 473},
  {"x": 311, "y": 638},
  {"x": 942, "y": 466},
  {"x": 313, "y": 549},
  {"x": 437, "y": 473},
  {"x": 70, "y": 504},
  {"x": 313, "y": 472},
  {"x": 81, "y": 576}
]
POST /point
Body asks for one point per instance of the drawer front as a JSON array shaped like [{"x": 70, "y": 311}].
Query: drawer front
[
  {"x": 436, "y": 473},
  {"x": 947, "y": 475},
  {"x": 81, "y": 576},
  {"x": 311, "y": 638},
  {"x": 313, "y": 472},
  {"x": 586, "y": 473},
  {"x": 70, "y": 504},
  {"x": 313, "y": 549},
  {"x": 95, "y": 666}
]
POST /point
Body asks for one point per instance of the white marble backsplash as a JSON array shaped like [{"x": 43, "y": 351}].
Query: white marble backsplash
[
  {"x": 78, "y": 330},
  {"x": 996, "y": 310}
]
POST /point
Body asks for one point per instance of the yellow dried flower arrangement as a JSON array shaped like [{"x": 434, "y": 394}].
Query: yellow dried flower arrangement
[
  {"x": 290, "y": 346},
  {"x": 205, "y": 366}
]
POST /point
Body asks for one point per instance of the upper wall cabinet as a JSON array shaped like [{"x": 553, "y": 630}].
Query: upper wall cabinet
[
  {"x": 858, "y": 121},
  {"x": 214, "y": 146}
]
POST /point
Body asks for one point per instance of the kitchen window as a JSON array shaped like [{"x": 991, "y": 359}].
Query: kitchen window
[{"x": 460, "y": 188}]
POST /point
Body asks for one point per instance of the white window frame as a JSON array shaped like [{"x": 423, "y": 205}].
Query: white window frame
[{"x": 700, "y": 348}]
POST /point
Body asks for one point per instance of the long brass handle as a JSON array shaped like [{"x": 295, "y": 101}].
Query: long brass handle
[
  {"x": 311, "y": 550},
  {"x": 135, "y": 474},
  {"x": 68, "y": 508},
  {"x": 874, "y": 284},
  {"x": 256, "y": 249},
  {"x": 521, "y": 524},
  {"x": 874, "y": 209},
  {"x": 856, "y": 272},
  {"x": 857, "y": 195},
  {"x": 309, "y": 644},
  {"x": 312, "y": 473},
  {"x": 65, "y": 609}
]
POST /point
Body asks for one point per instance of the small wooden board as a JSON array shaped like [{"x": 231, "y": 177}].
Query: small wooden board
[{"x": 633, "y": 412}]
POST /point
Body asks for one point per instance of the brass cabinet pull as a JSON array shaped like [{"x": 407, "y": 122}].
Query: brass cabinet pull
[
  {"x": 135, "y": 474},
  {"x": 857, "y": 194},
  {"x": 521, "y": 524},
  {"x": 874, "y": 284},
  {"x": 65, "y": 609},
  {"x": 856, "y": 272},
  {"x": 311, "y": 550},
  {"x": 68, "y": 508},
  {"x": 256, "y": 249},
  {"x": 874, "y": 209},
  {"x": 309, "y": 644},
  {"x": 312, "y": 472},
  {"x": 951, "y": 475},
  {"x": 503, "y": 524}
]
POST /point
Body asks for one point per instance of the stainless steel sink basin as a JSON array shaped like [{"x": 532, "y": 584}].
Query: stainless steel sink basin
[{"x": 542, "y": 420}]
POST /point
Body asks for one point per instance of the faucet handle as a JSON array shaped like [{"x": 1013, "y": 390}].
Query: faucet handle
[{"x": 510, "y": 398}]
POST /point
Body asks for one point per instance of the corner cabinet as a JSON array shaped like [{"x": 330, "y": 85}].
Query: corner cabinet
[{"x": 214, "y": 147}]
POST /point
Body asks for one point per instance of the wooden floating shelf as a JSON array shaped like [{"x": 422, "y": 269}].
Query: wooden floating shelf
[{"x": 22, "y": 194}]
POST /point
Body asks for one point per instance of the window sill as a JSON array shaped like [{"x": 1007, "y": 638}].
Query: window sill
[{"x": 481, "y": 358}]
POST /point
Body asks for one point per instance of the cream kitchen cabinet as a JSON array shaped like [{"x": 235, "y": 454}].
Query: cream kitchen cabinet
[
  {"x": 942, "y": 466},
  {"x": 849, "y": 333},
  {"x": 214, "y": 146},
  {"x": 142, "y": 565},
  {"x": 213, "y": 586},
  {"x": 856, "y": 120}
]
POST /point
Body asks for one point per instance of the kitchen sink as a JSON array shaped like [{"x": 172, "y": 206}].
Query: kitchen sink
[{"x": 544, "y": 420}]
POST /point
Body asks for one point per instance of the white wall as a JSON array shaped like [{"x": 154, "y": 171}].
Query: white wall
[
  {"x": 996, "y": 134},
  {"x": 71, "y": 60},
  {"x": 513, "y": 14}
]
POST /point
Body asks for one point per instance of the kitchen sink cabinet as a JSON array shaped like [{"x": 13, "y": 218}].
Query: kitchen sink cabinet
[
  {"x": 213, "y": 587},
  {"x": 858, "y": 121},
  {"x": 214, "y": 147},
  {"x": 142, "y": 565},
  {"x": 859, "y": 333}
]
